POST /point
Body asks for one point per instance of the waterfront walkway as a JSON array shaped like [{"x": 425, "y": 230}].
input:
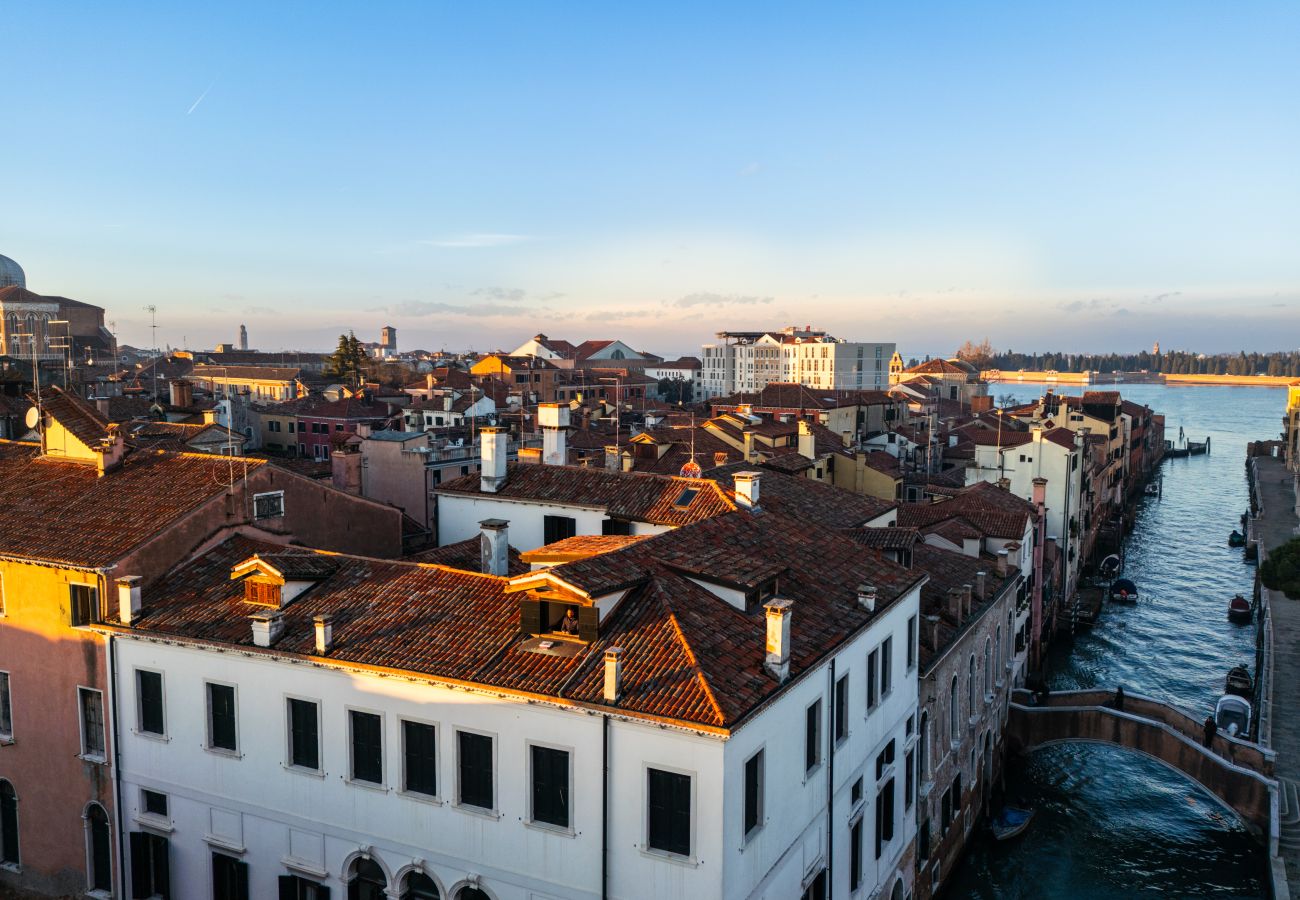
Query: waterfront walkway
[{"x": 1276, "y": 523}]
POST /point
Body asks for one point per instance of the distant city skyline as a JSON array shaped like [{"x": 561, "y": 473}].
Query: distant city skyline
[{"x": 1089, "y": 178}]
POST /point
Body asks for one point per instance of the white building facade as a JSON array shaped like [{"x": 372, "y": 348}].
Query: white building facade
[{"x": 748, "y": 361}]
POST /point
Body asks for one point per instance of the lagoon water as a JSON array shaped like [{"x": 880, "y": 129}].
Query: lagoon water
[{"x": 1112, "y": 824}]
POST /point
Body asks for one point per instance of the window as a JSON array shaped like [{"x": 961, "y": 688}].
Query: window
[
  {"x": 99, "y": 850},
  {"x": 153, "y": 803},
  {"x": 669, "y": 811},
  {"x": 269, "y": 505},
  {"x": 295, "y": 887},
  {"x": 229, "y": 878},
  {"x": 873, "y": 678},
  {"x": 418, "y": 886},
  {"x": 855, "y": 855},
  {"x": 884, "y": 759},
  {"x": 84, "y": 600},
  {"x": 91, "y": 704},
  {"x": 615, "y": 526},
  {"x": 812, "y": 753},
  {"x": 6, "y": 709},
  {"x": 855, "y": 793},
  {"x": 909, "y": 779},
  {"x": 753, "y": 793},
  {"x": 293, "y": 426},
  {"x": 954, "y": 711},
  {"x": 150, "y": 866},
  {"x": 474, "y": 764},
  {"x": 304, "y": 734},
  {"x": 222, "y": 732},
  {"x": 970, "y": 686},
  {"x": 149, "y": 698},
  {"x": 551, "y": 785},
  {"x": 886, "y": 667},
  {"x": 419, "y": 758},
  {"x": 911, "y": 643},
  {"x": 8, "y": 824},
  {"x": 884, "y": 816},
  {"x": 557, "y": 528},
  {"x": 842, "y": 708},
  {"x": 367, "y": 881},
  {"x": 988, "y": 667},
  {"x": 367, "y": 746}
]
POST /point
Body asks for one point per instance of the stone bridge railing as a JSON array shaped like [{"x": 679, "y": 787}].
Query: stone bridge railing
[{"x": 1238, "y": 773}]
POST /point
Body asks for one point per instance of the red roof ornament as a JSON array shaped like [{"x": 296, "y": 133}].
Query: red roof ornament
[{"x": 691, "y": 469}]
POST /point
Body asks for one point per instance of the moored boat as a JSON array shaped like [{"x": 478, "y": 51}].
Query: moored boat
[
  {"x": 1236, "y": 539},
  {"x": 1232, "y": 715},
  {"x": 1110, "y": 566},
  {"x": 1239, "y": 610},
  {"x": 1123, "y": 591},
  {"x": 1238, "y": 682},
  {"x": 1010, "y": 822}
]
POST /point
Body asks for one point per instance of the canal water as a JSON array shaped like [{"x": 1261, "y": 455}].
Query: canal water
[{"x": 1112, "y": 824}]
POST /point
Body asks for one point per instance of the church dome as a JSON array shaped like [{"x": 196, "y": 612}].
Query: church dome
[{"x": 11, "y": 273}]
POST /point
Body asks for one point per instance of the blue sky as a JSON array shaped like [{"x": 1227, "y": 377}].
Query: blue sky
[{"x": 1081, "y": 176}]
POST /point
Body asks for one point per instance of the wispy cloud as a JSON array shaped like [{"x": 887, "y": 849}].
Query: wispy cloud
[
  {"x": 489, "y": 239},
  {"x": 709, "y": 299},
  {"x": 751, "y": 170},
  {"x": 195, "y": 104},
  {"x": 415, "y": 309},
  {"x": 512, "y": 295}
]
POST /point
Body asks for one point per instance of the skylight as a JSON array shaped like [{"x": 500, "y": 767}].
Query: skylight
[{"x": 686, "y": 496}]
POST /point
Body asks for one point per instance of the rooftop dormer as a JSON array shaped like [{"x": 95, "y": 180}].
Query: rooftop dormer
[{"x": 275, "y": 580}]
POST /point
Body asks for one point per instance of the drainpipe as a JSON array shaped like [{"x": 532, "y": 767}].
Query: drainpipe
[
  {"x": 830, "y": 785},
  {"x": 117, "y": 770},
  {"x": 604, "y": 808}
]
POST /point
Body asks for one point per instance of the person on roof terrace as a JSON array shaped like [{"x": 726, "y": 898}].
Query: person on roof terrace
[{"x": 569, "y": 624}]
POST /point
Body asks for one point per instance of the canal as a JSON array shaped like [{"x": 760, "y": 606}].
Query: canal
[{"x": 1112, "y": 824}]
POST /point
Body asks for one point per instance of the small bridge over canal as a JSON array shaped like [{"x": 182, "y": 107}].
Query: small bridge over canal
[{"x": 1239, "y": 773}]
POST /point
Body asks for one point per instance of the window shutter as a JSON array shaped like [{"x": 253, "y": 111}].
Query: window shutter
[
  {"x": 241, "y": 880},
  {"x": 140, "y": 888},
  {"x": 322, "y": 893},
  {"x": 530, "y": 616},
  {"x": 288, "y": 888},
  {"x": 162, "y": 876},
  {"x": 588, "y": 623}
]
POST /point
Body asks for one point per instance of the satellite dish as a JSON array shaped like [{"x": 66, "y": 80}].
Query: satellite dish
[{"x": 33, "y": 418}]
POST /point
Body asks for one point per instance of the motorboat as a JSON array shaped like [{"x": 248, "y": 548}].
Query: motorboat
[
  {"x": 1239, "y": 610},
  {"x": 1239, "y": 682},
  {"x": 1010, "y": 822},
  {"x": 1123, "y": 591},
  {"x": 1110, "y": 566},
  {"x": 1232, "y": 715},
  {"x": 1152, "y": 490},
  {"x": 1236, "y": 539}
]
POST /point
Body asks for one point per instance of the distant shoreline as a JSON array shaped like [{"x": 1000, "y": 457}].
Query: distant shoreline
[{"x": 1098, "y": 379}]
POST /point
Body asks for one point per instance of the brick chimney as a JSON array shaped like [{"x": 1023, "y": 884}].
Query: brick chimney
[
  {"x": 1040, "y": 492},
  {"x": 494, "y": 547},
  {"x": 720, "y": 458},
  {"x": 777, "y": 660},
  {"x": 930, "y": 631},
  {"x": 554, "y": 419},
  {"x": 954, "y": 606},
  {"x": 324, "y": 634},
  {"x": 1002, "y": 563},
  {"x": 110, "y": 451},
  {"x": 493, "y": 474},
  {"x": 345, "y": 471},
  {"x": 182, "y": 393},
  {"x": 613, "y": 675},
  {"x": 966, "y": 601},
  {"x": 128, "y": 599},
  {"x": 611, "y": 458},
  {"x": 747, "y": 484},
  {"x": 981, "y": 586}
]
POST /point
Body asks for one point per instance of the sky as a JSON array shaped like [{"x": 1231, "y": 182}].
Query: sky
[{"x": 1067, "y": 176}]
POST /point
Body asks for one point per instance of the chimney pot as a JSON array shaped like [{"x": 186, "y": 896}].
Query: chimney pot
[
  {"x": 324, "y": 634},
  {"x": 613, "y": 675},
  {"x": 494, "y": 547},
  {"x": 777, "y": 660},
  {"x": 747, "y": 489},
  {"x": 128, "y": 599},
  {"x": 267, "y": 627},
  {"x": 867, "y": 596},
  {"x": 554, "y": 419}
]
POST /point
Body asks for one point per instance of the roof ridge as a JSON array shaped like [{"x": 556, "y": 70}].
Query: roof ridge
[{"x": 694, "y": 662}]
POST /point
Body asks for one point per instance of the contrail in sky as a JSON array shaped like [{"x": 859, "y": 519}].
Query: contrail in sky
[{"x": 200, "y": 100}]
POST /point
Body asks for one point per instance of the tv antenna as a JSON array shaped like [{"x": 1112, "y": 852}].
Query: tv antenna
[{"x": 153, "y": 325}]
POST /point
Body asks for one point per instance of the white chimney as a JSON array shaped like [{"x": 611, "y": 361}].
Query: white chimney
[
  {"x": 778, "y": 638},
  {"x": 324, "y": 634},
  {"x": 494, "y": 547},
  {"x": 980, "y": 585},
  {"x": 493, "y": 474},
  {"x": 554, "y": 419},
  {"x": 867, "y": 597},
  {"x": 807, "y": 443},
  {"x": 267, "y": 627},
  {"x": 747, "y": 489},
  {"x": 613, "y": 675},
  {"x": 1002, "y": 563},
  {"x": 128, "y": 599}
]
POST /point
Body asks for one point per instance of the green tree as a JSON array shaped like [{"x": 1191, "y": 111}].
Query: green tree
[
  {"x": 1281, "y": 571},
  {"x": 347, "y": 360},
  {"x": 676, "y": 390}
]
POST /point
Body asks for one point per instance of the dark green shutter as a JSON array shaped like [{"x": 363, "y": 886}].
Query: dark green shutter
[
  {"x": 241, "y": 880},
  {"x": 140, "y": 887},
  {"x": 588, "y": 623},
  {"x": 530, "y": 616},
  {"x": 162, "y": 876},
  {"x": 288, "y": 887}
]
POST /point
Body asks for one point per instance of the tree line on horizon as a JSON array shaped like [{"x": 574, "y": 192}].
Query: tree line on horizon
[{"x": 1174, "y": 362}]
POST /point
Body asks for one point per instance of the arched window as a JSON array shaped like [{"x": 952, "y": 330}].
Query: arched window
[
  {"x": 970, "y": 686},
  {"x": 99, "y": 850},
  {"x": 368, "y": 881},
  {"x": 988, "y": 666},
  {"x": 469, "y": 892},
  {"x": 997, "y": 650},
  {"x": 418, "y": 886},
  {"x": 925, "y": 745},
  {"x": 1011, "y": 635},
  {"x": 8, "y": 823},
  {"x": 954, "y": 711}
]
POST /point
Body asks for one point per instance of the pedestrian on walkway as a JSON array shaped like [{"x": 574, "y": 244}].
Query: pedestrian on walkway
[{"x": 1211, "y": 729}]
